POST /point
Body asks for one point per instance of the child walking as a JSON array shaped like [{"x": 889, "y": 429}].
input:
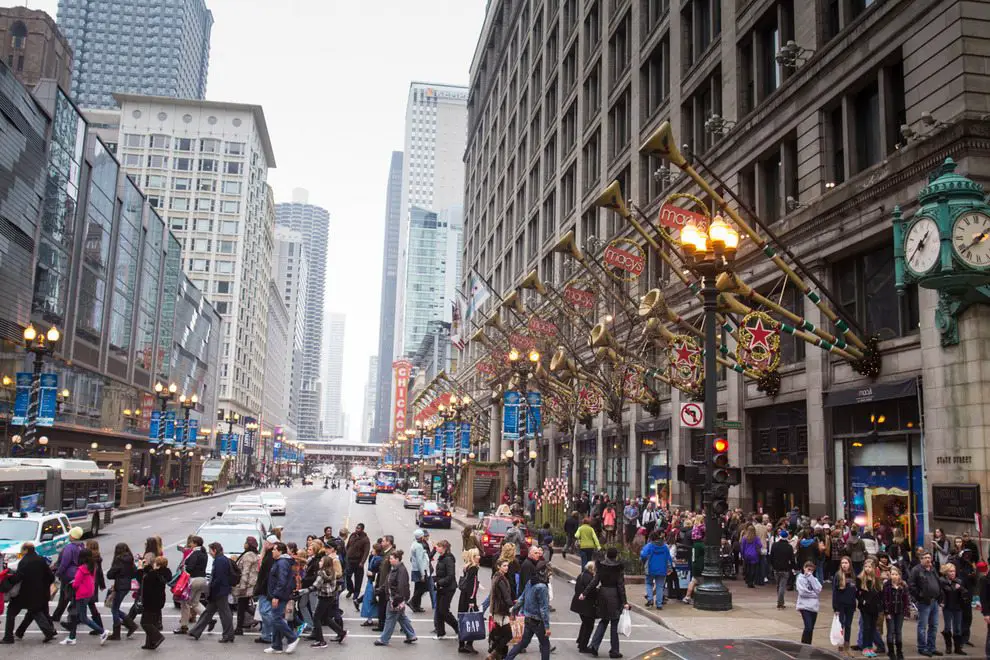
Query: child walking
[
  {"x": 84, "y": 588},
  {"x": 896, "y": 602},
  {"x": 808, "y": 591}
]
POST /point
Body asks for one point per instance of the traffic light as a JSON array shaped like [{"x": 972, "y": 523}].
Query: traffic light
[{"x": 720, "y": 476}]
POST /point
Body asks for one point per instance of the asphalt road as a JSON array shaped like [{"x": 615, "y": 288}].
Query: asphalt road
[{"x": 309, "y": 509}]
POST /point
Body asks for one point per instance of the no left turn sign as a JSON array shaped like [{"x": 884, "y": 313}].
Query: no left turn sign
[{"x": 692, "y": 415}]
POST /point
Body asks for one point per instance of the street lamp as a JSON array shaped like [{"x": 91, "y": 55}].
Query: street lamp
[
  {"x": 710, "y": 254},
  {"x": 510, "y": 459},
  {"x": 41, "y": 344},
  {"x": 249, "y": 431},
  {"x": 165, "y": 394},
  {"x": 188, "y": 405}
]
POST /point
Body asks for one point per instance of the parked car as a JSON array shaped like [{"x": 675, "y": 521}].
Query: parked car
[
  {"x": 247, "y": 500},
  {"x": 413, "y": 499},
  {"x": 274, "y": 502},
  {"x": 433, "y": 514},
  {"x": 489, "y": 533},
  {"x": 366, "y": 492},
  {"x": 732, "y": 649},
  {"x": 243, "y": 513}
]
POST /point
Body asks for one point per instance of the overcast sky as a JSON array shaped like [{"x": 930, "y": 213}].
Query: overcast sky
[{"x": 332, "y": 76}]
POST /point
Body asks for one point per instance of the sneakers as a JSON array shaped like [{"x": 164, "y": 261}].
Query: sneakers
[
  {"x": 68, "y": 641},
  {"x": 318, "y": 645},
  {"x": 274, "y": 651},
  {"x": 686, "y": 600},
  {"x": 104, "y": 636},
  {"x": 292, "y": 645},
  {"x": 410, "y": 641},
  {"x": 379, "y": 642}
]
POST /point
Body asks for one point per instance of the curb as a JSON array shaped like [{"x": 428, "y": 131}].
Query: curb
[
  {"x": 561, "y": 572},
  {"x": 124, "y": 513}
]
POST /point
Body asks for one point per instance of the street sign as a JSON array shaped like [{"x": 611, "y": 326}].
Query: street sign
[
  {"x": 728, "y": 424},
  {"x": 692, "y": 415}
]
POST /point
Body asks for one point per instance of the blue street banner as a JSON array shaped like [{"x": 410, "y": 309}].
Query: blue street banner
[
  {"x": 192, "y": 431},
  {"x": 23, "y": 398},
  {"x": 153, "y": 426},
  {"x": 465, "y": 438},
  {"x": 510, "y": 415},
  {"x": 29, "y": 503},
  {"x": 534, "y": 418},
  {"x": 276, "y": 449},
  {"x": 170, "y": 427},
  {"x": 388, "y": 458},
  {"x": 415, "y": 447},
  {"x": 180, "y": 431},
  {"x": 450, "y": 436},
  {"x": 233, "y": 444},
  {"x": 222, "y": 443},
  {"x": 426, "y": 448},
  {"x": 48, "y": 395},
  {"x": 438, "y": 441}
]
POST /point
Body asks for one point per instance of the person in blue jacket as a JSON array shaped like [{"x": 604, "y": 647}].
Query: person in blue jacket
[
  {"x": 281, "y": 584},
  {"x": 222, "y": 581},
  {"x": 656, "y": 556}
]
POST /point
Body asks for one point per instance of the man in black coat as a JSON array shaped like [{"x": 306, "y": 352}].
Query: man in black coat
[
  {"x": 782, "y": 563},
  {"x": 446, "y": 579},
  {"x": 33, "y": 579}
]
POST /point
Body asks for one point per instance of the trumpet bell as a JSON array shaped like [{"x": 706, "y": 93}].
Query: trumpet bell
[
  {"x": 601, "y": 336},
  {"x": 497, "y": 394},
  {"x": 532, "y": 281},
  {"x": 604, "y": 353},
  {"x": 481, "y": 337},
  {"x": 568, "y": 245},
  {"x": 662, "y": 142},
  {"x": 728, "y": 283},
  {"x": 652, "y": 303},
  {"x": 611, "y": 198},
  {"x": 652, "y": 328},
  {"x": 559, "y": 359},
  {"x": 514, "y": 300},
  {"x": 540, "y": 372},
  {"x": 495, "y": 321}
]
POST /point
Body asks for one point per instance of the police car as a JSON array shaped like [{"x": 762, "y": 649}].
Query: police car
[{"x": 49, "y": 531}]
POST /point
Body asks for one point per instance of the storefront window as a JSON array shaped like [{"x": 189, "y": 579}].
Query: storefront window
[
  {"x": 780, "y": 435},
  {"x": 616, "y": 467},
  {"x": 588, "y": 464}
]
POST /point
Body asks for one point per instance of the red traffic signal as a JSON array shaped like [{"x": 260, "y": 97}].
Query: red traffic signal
[{"x": 721, "y": 445}]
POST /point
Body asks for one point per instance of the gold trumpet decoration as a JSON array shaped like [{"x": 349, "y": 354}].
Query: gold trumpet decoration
[
  {"x": 662, "y": 142},
  {"x": 514, "y": 302}
]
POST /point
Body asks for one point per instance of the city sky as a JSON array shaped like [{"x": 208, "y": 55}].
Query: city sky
[{"x": 332, "y": 76}]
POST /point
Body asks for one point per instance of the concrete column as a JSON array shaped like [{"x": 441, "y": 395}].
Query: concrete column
[
  {"x": 495, "y": 433},
  {"x": 600, "y": 454},
  {"x": 739, "y": 446},
  {"x": 824, "y": 477},
  {"x": 679, "y": 493},
  {"x": 849, "y": 136},
  {"x": 635, "y": 481}
]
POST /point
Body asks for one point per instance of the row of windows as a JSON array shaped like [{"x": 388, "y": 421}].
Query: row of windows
[
  {"x": 209, "y": 185},
  {"x": 206, "y": 145},
  {"x": 185, "y": 164}
]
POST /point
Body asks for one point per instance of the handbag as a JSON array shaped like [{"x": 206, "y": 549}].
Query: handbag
[
  {"x": 470, "y": 626},
  {"x": 181, "y": 590},
  {"x": 517, "y": 624},
  {"x": 108, "y": 601}
]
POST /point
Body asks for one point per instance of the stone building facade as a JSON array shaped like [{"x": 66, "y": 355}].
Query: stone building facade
[
  {"x": 822, "y": 137},
  {"x": 33, "y": 48}
]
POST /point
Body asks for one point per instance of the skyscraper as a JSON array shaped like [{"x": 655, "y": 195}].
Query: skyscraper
[
  {"x": 386, "y": 322},
  {"x": 370, "y": 394},
  {"x": 432, "y": 177},
  {"x": 333, "y": 377},
  {"x": 204, "y": 166},
  {"x": 149, "y": 47},
  {"x": 313, "y": 223},
  {"x": 292, "y": 277}
]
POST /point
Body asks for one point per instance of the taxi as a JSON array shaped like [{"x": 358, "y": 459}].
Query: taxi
[{"x": 49, "y": 531}]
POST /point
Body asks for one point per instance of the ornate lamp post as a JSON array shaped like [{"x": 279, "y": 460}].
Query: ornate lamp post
[
  {"x": 250, "y": 429},
  {"x": 41, "y": 344},
  {"x": 188, "y": 405},
  {"x": 165, "y": 395},
  {"x": 710, "y": 255},
  {"x": 522, "y": 373}
]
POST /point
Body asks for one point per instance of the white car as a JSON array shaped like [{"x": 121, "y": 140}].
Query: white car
[
  {"x": 251, "y": 500},
  {"x": 49, "y": 531},
  {"x": 243, "y": 513},
  {"x": 229, "y": 534},
  {"x": 274, "y": 502},
  {"x": 414, "y": 498}
]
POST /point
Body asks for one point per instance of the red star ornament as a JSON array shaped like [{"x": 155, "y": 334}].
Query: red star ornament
[
  {"x": 758, "y": 335},
  {"x": 684, "y": 354}
]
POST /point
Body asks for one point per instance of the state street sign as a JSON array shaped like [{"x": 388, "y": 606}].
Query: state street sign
[{"x": 692, "y": 415}]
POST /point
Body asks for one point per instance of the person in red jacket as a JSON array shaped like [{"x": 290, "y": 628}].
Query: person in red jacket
[{"x": 84, "y": 589}]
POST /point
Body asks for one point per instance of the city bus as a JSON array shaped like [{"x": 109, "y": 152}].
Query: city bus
[
  {"x": 385, "y": 481},
  {"x": 78, "y": 489}
]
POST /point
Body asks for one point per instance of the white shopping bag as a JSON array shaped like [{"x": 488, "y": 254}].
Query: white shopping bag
[
  {"x": 835, "y": 635},
  {"x": 625, "y": 623}
]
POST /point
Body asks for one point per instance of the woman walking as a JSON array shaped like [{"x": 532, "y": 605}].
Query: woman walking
[
  {"x": 844, "y": 601},
  {"x": 954, "y": 598},
  {"x": 808, "y": 591},
  {"x": 398, "y": 597},
  {"x": 468, "y": 600},
  {"x": 587, "y": 541},
  {"x": 501, "y": 604},
  {"x": 152, "y": 550},
  {"x": 749, "y": 548},
  {"x": 508, "y": 553},
  {"x": 327, "y": 579},
  {"x": 247, "y": 564},
  {"x": 84, "y": 588},
  {"x": 122, "y": 571},
  {"x": 869, "y": 598},
  {"x": 369, "y": 608},
  {"x": 155, "y": 578},
  {"x": 896, "y": 602},
  {"x": 610, "y": 581},
  {"x": 101, "y": 584},
  {"x": 585, "y": 607},
  {"x": 195, "y": 565}
]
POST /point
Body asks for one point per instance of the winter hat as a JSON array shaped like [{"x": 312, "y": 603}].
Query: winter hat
[
  {"x": 418, "y": 534},
  {"x": 783, "y": 533},
  {"x": 75, "y": 533},
  {"x": 982, "y": 567}
]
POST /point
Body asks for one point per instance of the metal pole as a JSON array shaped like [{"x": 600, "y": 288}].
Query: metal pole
[
  {"x": 31, "y": 428},
  {"x": 711, "y": 594}
]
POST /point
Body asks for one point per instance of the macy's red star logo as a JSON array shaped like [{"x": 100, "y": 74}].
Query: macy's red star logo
[
  {"x": 684, "y": 354},
  {"x": 759, "y": 334}
]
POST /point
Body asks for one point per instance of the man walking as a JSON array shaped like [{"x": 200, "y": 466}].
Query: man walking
[
  {"x": 535, "y": 607},
  {"x": 34, "y": 578},
  {"x": 280, "y": 586},
  {"x": 67, "y": 563},
  {"x": 356, "y": 553},
  {"x": 656, "y": 556},
  {"x": 261, "y": 590},
  {"x": 630, "y": 515},
  {"x": 782, "y": 563},
  {"x": 924, "y": 586},
  {"x": 381, "y": 584},
  {"x": 222, "y": 580}
]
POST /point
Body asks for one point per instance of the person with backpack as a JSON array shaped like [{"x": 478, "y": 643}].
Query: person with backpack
[
  {"x": 223, "y": 577},
  {"x": 247, "y": 565}
]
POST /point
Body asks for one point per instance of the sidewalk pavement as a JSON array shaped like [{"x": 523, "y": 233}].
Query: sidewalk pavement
[
  {"x": 754, "y": 612},
  {"x": 164, "y": 504}
]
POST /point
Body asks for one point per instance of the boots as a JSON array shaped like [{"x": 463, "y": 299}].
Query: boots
[
  {"x": 900, "y": 651},
  {"x": 957, "y": 639},
  {"x": 947, "y": 636},
  {"x": 130, "y": 625},
  {"x": 846, "y": 653},
  {"x": 115, "y": 635}
]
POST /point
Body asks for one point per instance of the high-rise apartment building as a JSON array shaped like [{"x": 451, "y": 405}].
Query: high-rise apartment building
[
  {"x": 34, "y": 48},
  {"x": 204, "y": 166},
  {"x": 432, "y": 178},
  {"x": 822, "y": 117},
  {"x": 333, "y": 377},
  {"x": 292, "y": 278},
  {"x": 386, "y": 317},
  {"x": 370, "y": 394},
  {"x": 278, "y": 356},
  {"x": 147, "y": 47},
  {"x": 313, "y": 222}
]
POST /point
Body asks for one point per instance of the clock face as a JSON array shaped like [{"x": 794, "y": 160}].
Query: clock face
[
  {"x": 921, "y": 246},
  {"x": 971, "y": 238}
]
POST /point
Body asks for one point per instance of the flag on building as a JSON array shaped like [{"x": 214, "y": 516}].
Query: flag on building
[
  {"x": 477, "y": 295},
  {"x": 456, "y": 326}
]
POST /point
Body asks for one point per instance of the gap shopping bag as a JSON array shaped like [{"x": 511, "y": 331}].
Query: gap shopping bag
[
  {"x": 835, "y": 635},
  {"x": 470, "y": 626}
]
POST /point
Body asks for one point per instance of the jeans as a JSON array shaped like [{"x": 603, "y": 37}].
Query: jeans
[
  {"x": 442, "y": 615},
  {"x": 400, "y": 616},
  {"x": 809, "y": 619},
  {"x": 306, "y": 607},
  {"x": 655, "y": 583},
  {"x": 81, "y": 608},
  {"x": 265, "y": 610},
  {"x": 532, "y": 627},
  {"x": 584, "y": 633},
  {"x": 868, "y": 626},
  {"x": 927, "y": 625},
  {"x": 820, "y": 571},
  {"x": 782, "y": 578},
  {"x": 115, "y": 611},
  {"x": 596, "y": 639},
  {"x": 280, "y": 629},
  {"x": 953, "y": 622},
  {"x": 895, "y": 626},
  {"x": 587, "y": 554},
  {"x": 749, "y": 572},
  {"x": 846, "y": 613}
]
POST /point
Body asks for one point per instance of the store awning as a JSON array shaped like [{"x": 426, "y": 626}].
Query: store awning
[
  {"x": 869, "y": 393},
  {"x": 653, "y": 425}
]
